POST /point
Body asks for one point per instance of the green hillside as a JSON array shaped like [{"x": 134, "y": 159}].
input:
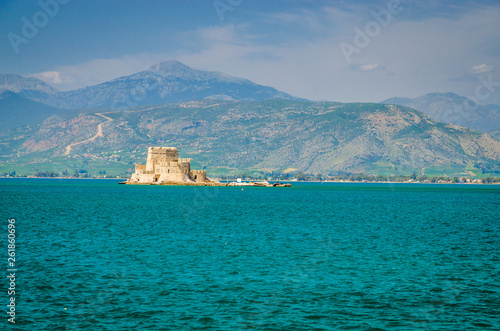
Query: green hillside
[{"x": 273, "y": 135}]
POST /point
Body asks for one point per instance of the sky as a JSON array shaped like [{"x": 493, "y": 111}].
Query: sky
[{"x": 336, "y": 50}]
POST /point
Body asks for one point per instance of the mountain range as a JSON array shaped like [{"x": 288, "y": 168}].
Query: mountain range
[
  {"x": 27, "y": 87},
  {"x": 455, "y": 109},
  {"x": 166, "y": 82},
  {"x": 272, "y": 135},
  {"x": 230, "y": 123}
]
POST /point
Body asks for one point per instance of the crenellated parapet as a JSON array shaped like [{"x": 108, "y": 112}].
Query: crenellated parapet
[{"x": 198, "y": 175}]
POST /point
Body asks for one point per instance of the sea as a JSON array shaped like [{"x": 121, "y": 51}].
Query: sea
[{"x": 95, "y": 255}]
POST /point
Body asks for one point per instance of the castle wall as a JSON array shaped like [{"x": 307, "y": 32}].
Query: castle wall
[
  {"x": 142, "y": 178},
  {"x": 185, "y": 167},
  {"x": 199, "y": 176},
  {"x": 174, "y": 177},
  {"x": 140, "y": 168},
  {"x": 164, "y": 165}
]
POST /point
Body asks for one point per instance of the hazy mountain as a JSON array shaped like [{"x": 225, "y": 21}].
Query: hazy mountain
[
  {"x": 167, "y": 82},
  {"x": 454, "y": 109},
  {"x": 17, "y": 111},
  {"x": 28, "y": 87},
  {"x": 321, "y": 137}
]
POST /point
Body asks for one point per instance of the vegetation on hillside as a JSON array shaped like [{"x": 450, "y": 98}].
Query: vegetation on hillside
[{"x": 229, "y": 137}]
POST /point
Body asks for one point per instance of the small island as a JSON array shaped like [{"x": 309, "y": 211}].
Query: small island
[{"x": 164, "y": 167}]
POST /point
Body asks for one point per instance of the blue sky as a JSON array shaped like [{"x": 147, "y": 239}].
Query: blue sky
[{"x": 311, "y": 49}]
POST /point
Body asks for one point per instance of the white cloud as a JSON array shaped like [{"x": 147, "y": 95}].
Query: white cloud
[
  {"x": 407, "y": 58},
  {"x": 97, "y": 71},
  {"x": 51, "y": 77},
  {"x": 307, "y": 20},
  {"x": 368, "y": 67},
  {"x": 481, "y": 69},
  {"x": 225, "y": 34}
]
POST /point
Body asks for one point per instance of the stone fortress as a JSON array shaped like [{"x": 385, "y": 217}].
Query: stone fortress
[{"x": 164, "y": 166}]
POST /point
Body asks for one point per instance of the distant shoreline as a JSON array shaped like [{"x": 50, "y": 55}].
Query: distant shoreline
[
  {"x": 281, "y": 181},
  {"x": 120, "y": 178}
]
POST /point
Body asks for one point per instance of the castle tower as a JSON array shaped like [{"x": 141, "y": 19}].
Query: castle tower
[
  {"x": 199, "y": 176},
  {"x": 160, "y": 154},
  {"x": 164, "y": 166}
]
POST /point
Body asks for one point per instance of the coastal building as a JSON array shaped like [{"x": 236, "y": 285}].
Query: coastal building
[{"x": 163, "y": 165}]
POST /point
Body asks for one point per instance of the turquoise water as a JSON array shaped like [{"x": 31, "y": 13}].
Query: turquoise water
[{"x": 95, "y": 255}]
